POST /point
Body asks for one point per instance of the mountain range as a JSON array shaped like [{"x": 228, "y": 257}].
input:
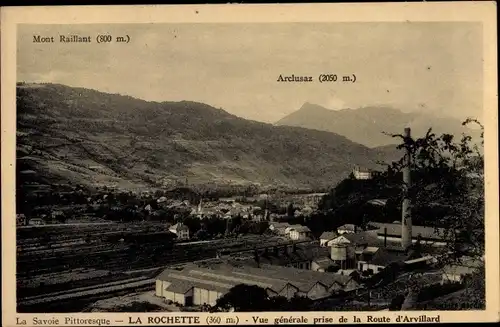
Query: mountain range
[
  {"x": 91, "y": 138},
  {"x": 367, "y": 125}
]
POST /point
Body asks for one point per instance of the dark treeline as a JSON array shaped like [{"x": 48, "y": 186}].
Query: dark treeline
[{"x": 252, "y": 298}]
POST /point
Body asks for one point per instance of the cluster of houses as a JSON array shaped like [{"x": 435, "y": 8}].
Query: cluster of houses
[
  {"x": 294, "y": 232},
  {"x": 22, "y": 220},
  {"x": 312, "y": 269},
  {"x": 375, "y": 248}
]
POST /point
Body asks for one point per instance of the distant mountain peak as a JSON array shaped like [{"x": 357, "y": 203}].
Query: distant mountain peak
[
  {"x": 366, "y": 125},
  {"x": 312, "y": 106}
]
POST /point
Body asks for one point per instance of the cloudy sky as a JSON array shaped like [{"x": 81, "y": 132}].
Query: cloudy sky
[{"x": 434, "y": 67}]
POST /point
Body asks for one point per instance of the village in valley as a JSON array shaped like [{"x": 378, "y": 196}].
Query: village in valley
[
  {"x": 179, "y": 251},
  {"x": 173, "y": 173}
]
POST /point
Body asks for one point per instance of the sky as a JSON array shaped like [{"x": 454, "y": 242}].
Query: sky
[{"x": 430, "y": 67}]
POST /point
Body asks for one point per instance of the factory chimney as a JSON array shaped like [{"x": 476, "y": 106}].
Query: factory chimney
[{"x": 406, "y": 210}]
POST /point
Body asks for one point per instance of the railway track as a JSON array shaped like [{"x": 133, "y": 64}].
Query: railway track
[
  {"x": 110, "y": 256},
  {"x": 77, "y": 302}
]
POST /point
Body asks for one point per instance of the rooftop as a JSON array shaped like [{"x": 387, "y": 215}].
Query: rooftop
[
  {"x": 280, "y": 225},
  {"x": 349, "y": 227},
  {"x": 377, "y": 202},
  {"x": 394, "y": 229},
  {"x": 324, "y": 263},
  {"x": 303, "y": 252},
  {"x": 361, "y": 238},
  {"x": 300, "y": 228},
  {"x": 385, "y": 257},
  {"x": 222, "y": 277},
  {"x": 328, "y": 235}
]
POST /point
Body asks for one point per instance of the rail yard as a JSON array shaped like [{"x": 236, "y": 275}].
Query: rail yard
[{"x": 73, "y": 266}]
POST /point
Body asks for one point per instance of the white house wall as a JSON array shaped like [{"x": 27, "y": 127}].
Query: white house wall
[
  {"x": 450, "y": 278},
  {"x": 159, "y": 288},
  {"x": 169, "y": 296},
  {"x": 197, "y": 296},
  {"x": 365, "y": 266},
  {"x": 203, "y": 296},
  {"x": 213, "y": 296}
]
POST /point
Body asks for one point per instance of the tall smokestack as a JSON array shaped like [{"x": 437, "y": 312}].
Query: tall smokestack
[{"x": 406, "y": 211}]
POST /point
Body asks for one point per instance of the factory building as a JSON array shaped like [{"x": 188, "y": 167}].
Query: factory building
[
  {"x": 345, "y": 248},
  {"x": 195, "y": 285},
  {"x": 300, "y": 256},
  {"x": 376, "y": 259},
  {"x": 392, "y": 233}
]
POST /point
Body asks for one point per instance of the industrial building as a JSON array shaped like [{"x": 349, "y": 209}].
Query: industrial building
[
  {"x": 392, "y": 232},
  {"x": 366, "y": 251},
  {"x": 299, "y": 256},
  {"x": 195, "y": 285},
  {"x": 376, "y": 259}
]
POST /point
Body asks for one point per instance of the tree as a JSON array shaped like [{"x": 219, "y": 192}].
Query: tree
[
  {"x": 244, "y": 298},
  {"x": 448, "y": 175},
  {"x": 278, "y": 303},
  {"x": 290, "y": 211},
  {"x": 397, "y": 302},
  {"x": 299, "y": 303},
  {"x": 201, "y": 234},
  {"x": 248, "y": 298}
]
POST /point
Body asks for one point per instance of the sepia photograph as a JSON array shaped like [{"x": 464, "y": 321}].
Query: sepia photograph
[{"x": 225, "y": 167}]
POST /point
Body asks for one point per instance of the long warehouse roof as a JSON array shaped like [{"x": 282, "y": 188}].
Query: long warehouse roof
[{"x": 223, "y": 277}]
